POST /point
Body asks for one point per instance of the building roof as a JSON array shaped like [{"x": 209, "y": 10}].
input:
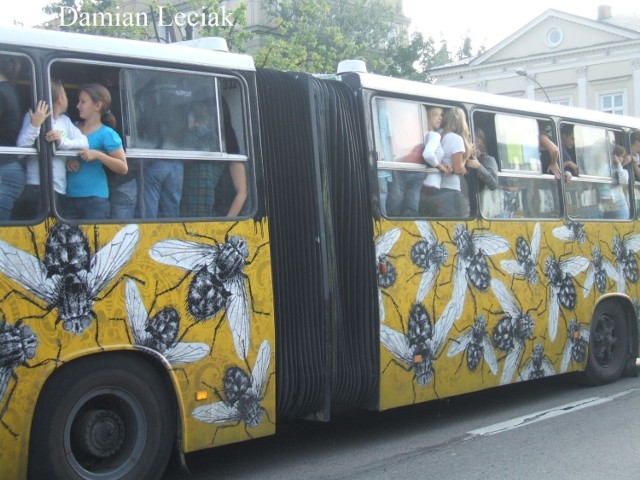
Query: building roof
[
  {"x": 630, "y": 22},
  {"x": 626, "y": 26}
]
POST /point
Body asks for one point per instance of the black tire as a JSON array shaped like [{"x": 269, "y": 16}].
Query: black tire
[
  {"x": 608, "y": 344},
  {"x": 106, "y": 417}
]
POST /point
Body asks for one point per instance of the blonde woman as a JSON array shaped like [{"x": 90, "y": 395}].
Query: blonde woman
[{"x": 447, "y": 200}]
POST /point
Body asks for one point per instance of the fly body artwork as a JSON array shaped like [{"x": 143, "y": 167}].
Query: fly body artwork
[
  {"x": 429, "y": 255},
  {"x": 160, "y": 331},
  {"x": 218, "y": 283},
  {"x": 387, "y": 273},
  {"x": 241, "y": 397},
  {"x": 69, "y": 278}
]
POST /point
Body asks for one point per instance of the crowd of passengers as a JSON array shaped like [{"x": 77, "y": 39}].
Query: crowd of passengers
[
  {"x": 449, "y": 151},
  {"x": 100, "y": 183}
]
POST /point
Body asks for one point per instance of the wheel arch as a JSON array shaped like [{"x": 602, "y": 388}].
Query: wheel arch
[{"x": 154, "y": 361}]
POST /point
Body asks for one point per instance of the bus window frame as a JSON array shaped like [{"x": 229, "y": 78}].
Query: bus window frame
[
  {"x": 590, "y": 179},
  {"x": 38, "y": 149},
  {"x": 397, "y": 166},
  {"x": 518, "y": 174},
  {"x": 150, "y": 154}
]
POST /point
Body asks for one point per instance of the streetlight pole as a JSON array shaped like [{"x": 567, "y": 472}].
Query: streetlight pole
[{"x": 523, "y": 73}]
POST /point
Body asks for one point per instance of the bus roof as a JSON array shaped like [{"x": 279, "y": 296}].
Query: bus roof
[
  {"x": 94, "y": 44},
  {"x": 440, "y": 92}
]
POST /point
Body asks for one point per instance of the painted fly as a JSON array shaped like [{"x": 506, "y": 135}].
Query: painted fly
[
  {"x": 160, "y": 332},
  {"x": 563, "y": 291},
  {"x": 18, "y": 344},
  {"x": 472, "y": 266},
  {"x": 525, "y": 264},
  {"x": 420, "y": 346},
  {"x": 538, "y": 366},
  {"x": 429, "y": 255},
  {"x": 576, "y": 346},
  {"x": 475, "y": 342},
  {"x": 69, "y": 278},
  {"x": 571, "y": 232},
  {"x": 243, "y": 394},
  {"x": 387, "y": 273},
  {"x": 218, "y": 281},
  {"x": 598, "y": 272},
  {"x": 624, "y": 251},
  {"x": 511, "y": 331}
]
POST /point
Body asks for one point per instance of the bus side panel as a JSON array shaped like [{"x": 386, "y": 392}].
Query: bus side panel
[
  {"x": 145, "y": 280},
  {"x": 480, "y": 325}
]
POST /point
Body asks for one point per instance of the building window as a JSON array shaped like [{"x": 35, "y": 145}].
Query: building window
[
  {"x": 566, "y": 101},
  {"x": 554, "y": 37},
  {"x": 612, "y": 103}
]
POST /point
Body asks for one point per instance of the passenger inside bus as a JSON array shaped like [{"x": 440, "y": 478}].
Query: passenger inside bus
[
  {"x": 549, "y": 152},
  {"x": 87, "y": 187},
  {"x": 632, "y": 162},
  {"x": 201, "y": 177},
  {"x": 404, "y": 191},
  {"x": 162, "y": 111},
  {"x": 568, "y": 150},
  {"x": 64, "y": 134},
  {"x": 448, "y": 200},
  {"x": 482, "y": 170},
  {"x": 11, "y": 168},
  {"x": 232, "y": 191},
  {"x": 614, "y": 200}
]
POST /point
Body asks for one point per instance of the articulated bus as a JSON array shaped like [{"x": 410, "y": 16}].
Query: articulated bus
[{"x": 124, "y": 341}]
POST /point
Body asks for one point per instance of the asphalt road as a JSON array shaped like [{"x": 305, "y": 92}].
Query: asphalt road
[{"x": 554, "y": 428}]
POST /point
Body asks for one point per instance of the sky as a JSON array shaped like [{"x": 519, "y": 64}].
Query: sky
[{"x": 487, "y": 21}]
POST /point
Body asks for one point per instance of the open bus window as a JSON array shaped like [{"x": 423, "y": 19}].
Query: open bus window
[
  {"x": 20, "y": 166},
  {"x": 600, "y": 190},
  {"x": 400, "y": 131},
  {"x": 523, "y": 190}
]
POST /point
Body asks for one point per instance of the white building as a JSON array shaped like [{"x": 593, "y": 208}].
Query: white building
[{"x": 561, "y": 58}]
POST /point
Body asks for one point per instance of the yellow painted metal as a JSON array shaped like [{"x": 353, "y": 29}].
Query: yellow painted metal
[{"x": 160, "y": 286}]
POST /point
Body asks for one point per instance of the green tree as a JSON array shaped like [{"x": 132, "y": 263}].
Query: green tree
[{"x": 314, "y": 35}]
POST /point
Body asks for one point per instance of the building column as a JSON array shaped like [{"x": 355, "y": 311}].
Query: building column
[
  {"x": 582, "y": 88},
  {"x": 531, "y": 87},
  {"x": 636, "y": 87}
]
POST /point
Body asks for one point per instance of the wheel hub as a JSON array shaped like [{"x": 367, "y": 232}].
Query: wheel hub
[
  {"x": 606, "y": 341},
  {"x": 100, "y": 433}
]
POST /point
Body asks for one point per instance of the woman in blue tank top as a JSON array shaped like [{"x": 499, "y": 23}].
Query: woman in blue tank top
[{"x": 87, "y": 187}]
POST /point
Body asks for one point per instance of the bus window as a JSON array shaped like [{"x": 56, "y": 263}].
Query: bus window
[
  {"x": 600, "y": 188},
  {"x": 404, "y": 133},
  {"x": 401, "y": 127},
  {"x": 20, "y": 194},
  {"x": 186, "y": 130},
  {"x": 633, "y": 166},
  {"x": 524, "y": 190}
]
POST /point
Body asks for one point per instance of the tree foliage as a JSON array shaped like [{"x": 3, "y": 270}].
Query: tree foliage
[{"x": 314, "y": 35}]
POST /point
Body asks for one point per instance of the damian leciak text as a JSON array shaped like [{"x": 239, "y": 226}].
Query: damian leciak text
[{"x": 69, "y": 16}]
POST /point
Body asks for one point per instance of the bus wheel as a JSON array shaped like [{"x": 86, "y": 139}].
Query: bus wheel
[
  {"x": 608, "y": 346},
  {"x": 103, "y": 417}
]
